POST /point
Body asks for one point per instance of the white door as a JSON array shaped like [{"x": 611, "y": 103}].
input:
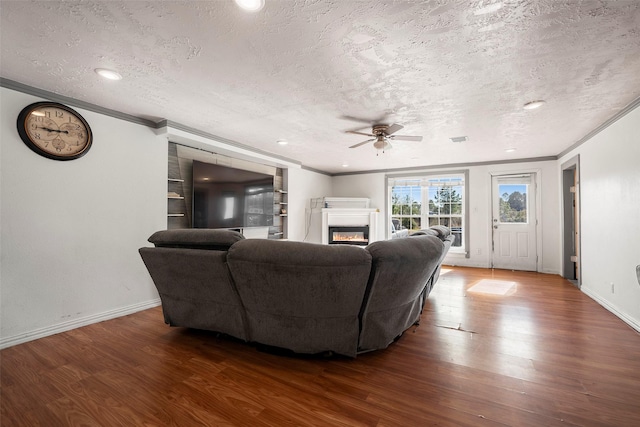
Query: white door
[{"x": 514, "y": 222}]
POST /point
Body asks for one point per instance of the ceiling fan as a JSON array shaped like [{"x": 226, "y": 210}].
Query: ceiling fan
[{"x": 383, "y": 135}]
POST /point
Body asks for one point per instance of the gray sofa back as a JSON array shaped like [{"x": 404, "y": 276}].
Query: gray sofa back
[
  {"x": 400, "y": 270},
  {"x": 444, "y": 234},
  {"x": 301, "y": 296},
  {"x": 190, "y": 271}
]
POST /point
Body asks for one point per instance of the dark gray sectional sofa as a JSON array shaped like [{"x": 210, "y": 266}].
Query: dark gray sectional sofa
[{"x": 304, "y": 297}]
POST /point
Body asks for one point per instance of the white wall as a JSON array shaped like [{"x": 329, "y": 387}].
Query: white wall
[
  {"x": 71, "y": 229},
  {"x": 479, "y": 187},
  {"x": 304, "y": 185},
  {"x": 610, "y": 216}
]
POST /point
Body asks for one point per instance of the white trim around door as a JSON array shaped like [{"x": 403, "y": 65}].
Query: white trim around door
[{"x": 515, "y": 227}]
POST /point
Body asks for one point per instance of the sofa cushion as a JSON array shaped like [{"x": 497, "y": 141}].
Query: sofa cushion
[
  {"x": 305, "y": 297},
  {"x": 401, "y": 269},
  {"x": 444, "y": 234},
  {"x": 196, "y": 289},
  {"x": 435, "y": 230},
  {"x": 196, "y": 238},
  {"x": 425, "y": 232}
]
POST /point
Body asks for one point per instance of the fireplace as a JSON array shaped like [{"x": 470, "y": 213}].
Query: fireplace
[
  {"x": 349, "y": 214},
  {"x": 349, "y": 235}
]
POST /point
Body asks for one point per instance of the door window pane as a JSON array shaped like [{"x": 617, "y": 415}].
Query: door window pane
[{"x": 513, "y": 203}]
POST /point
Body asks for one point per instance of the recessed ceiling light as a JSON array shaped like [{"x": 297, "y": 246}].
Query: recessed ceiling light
[
  {"x": 250, "y": 5},
  {"x": 509, "y": 150},
  {"x": 533, "y": 104},
  {"x": 345, "y": 165},
  {"x": 458, "y": 139},
  {"x": 108, "y": 74},
  {"x": 282, "y": 142},
  {"x": 488, "y": 9}
]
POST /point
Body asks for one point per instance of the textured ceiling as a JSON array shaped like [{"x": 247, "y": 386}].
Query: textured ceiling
[{"x": 298, "y": 70}]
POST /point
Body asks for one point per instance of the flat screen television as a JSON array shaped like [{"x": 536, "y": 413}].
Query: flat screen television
[{"x": 226, "y": 197}]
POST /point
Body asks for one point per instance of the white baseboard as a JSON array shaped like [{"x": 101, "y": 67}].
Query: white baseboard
[
  {"x": 623, "y": 316},
  {"x": 76, "y": 323},
  {"x": 461, "y": 263}
]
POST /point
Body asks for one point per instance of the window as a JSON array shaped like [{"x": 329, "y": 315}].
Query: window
[
  {"x": 445, "y": 205},
  {"x": 417, "y": 202},
  {"x": 406, "y": 206}
]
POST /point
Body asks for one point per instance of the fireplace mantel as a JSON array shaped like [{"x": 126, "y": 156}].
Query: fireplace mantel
[{"x": 349, "y": 217}]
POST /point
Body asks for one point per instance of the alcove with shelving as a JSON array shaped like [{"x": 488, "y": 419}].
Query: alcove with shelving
[
  {"x": 177, "y": 212},
  {"x": 281, "y": 207},
  {"x": 180, "y": 187}
]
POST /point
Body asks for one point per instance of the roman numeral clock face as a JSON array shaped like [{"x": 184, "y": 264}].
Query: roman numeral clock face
[{"x": 54, "y": 130}]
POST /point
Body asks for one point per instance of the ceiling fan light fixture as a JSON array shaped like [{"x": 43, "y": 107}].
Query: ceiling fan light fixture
[
  {"x": 534, "y": 104},
  {"x": 250, "y": 5},
  {"x": 382, "y": 144},
  {"x": 382, "y": 135}
]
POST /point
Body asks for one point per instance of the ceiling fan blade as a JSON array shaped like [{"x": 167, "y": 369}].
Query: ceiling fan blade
[
  {"x": 393, "y": 128},
  {"x": 362, "y": 143},
  {"x": 358, "y": 133},
  {"x": 405, "y": 138}
]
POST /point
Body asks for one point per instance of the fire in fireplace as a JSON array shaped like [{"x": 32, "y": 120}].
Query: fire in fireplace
[{"x": 349, "y": 235}]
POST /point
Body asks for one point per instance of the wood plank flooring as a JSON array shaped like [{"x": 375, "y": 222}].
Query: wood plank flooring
[{"x": 542, "y": 355}]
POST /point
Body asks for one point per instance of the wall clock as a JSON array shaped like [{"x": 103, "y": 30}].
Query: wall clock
[{"x": 54, "y": 131}]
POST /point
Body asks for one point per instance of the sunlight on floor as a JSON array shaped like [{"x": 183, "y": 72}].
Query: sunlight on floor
[
  {"x": 493, "y": 287},
  {"x": 444, "y": 271}
]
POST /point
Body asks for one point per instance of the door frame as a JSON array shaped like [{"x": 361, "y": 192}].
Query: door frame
[
  {"x": 536, "y": 176},
  {"x": 570, "y": 176}
]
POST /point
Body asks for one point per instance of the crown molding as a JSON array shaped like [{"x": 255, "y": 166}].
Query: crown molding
[
  {"x": 452, "y": 165},
  {"x": 620, "y": 114},
  {"x": 54, "y": 97}
]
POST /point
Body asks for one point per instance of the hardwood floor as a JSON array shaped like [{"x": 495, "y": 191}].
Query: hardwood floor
[{"x": 544, "y": 354}]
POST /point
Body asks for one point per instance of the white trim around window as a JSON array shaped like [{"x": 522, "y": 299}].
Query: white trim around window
[{"x": 422, "y": 207}]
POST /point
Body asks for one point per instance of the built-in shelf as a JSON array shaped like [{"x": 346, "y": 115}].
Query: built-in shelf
[
  {"x": 281, "y": 207},
  {"x": 175, "y": 188}
]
